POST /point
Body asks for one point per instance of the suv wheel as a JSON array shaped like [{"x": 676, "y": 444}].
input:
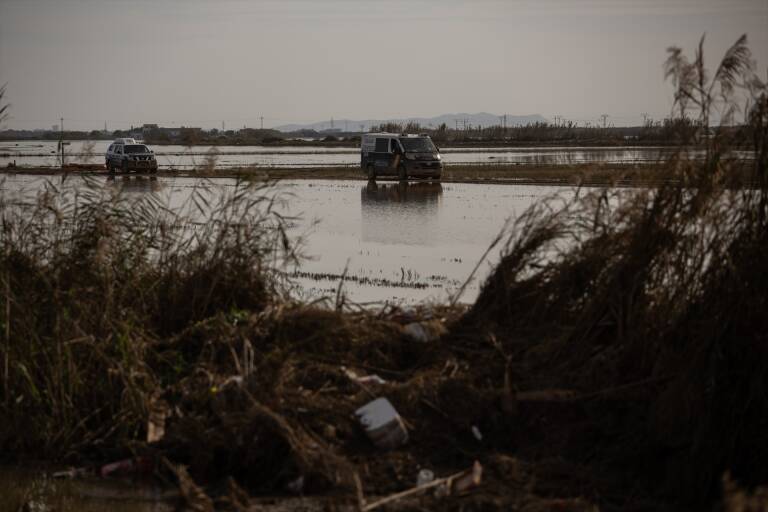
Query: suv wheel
[{"x": 371, "y": 172}]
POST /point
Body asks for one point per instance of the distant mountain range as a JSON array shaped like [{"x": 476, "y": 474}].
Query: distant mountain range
[{"x": 451, "y": 120}]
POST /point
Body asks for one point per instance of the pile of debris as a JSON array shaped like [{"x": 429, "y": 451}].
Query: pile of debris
[{"x": 362, "y": 409}]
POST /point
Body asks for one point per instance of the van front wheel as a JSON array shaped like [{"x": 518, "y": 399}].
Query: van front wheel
[
  {"x": 402, "y": 173},
  {"x": 371, "y": 172}
]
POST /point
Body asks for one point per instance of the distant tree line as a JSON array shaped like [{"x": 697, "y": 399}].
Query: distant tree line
[{"x": 669, "y": 131}]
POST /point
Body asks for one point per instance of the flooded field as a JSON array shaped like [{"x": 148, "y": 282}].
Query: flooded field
[
  {"x": 44, "y": 154},
  {"x": 399, "y": 242}
]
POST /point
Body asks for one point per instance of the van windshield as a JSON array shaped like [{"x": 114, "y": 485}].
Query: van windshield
[
  {"x": 136, "y": 148},
  {"x": 418, "y": 145}
]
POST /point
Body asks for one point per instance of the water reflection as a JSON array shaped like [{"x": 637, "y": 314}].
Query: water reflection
[
  {"x": 135, "y": 184},
  {"x": 400, "y": 213}
]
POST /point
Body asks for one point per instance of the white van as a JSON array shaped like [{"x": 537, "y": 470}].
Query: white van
[{"x": 402, "y": 155}]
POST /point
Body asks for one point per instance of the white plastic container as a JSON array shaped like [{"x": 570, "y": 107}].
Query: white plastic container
[{"x": 383, "y": 424}]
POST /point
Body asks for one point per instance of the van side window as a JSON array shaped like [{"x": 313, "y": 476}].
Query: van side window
[
  {"x": 381, "y": 145},
  {"x": 119, "y": 149}
]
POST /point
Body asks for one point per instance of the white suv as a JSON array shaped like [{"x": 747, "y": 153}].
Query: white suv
[{"x": 129, "y": 155}]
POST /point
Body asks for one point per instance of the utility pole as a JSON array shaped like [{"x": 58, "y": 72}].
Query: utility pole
[
  {"x": 345, "y": 126},
  {"x": 222, "y": 126},
  {"x": 61, "y": 140},
  {"x": 604, "y": 117},
  {"x": 261, "y": 118}
]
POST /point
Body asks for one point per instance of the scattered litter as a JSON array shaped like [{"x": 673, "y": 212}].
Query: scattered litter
[
  {"x": 405, "y": 315},
  {"x": 383, "y": 424},
  {"x": 139, "y": 465},
  {"x": 158, "y": 412},
  {"x": 71, "y": 473},
  {"x": 416, "y": 332},
  {"x": 296, "y": 486},
  {"x": 371, "y": 379},
  {"x": 124, "y": 467},
  {"x": 424, "y": 477},
  {"x": 476, "y": 432},
  {"x": 425, "y": 331},
  {"x": 234, "y": 379},
  {"x": 468, "y": 480},
  {"x": 458, "y": 484},
  {"x": 363, "y": 379},
  {"x": 442, "y": 491}
]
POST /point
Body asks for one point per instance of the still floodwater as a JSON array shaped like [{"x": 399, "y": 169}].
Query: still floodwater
[
  {"x": 44, "y": 154},
  {"x": 399, "y": 242}
]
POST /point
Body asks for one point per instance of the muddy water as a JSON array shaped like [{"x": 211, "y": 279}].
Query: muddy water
[
  {"x": 44, "y": 154},
  {"x": 41, "y": 493},
  {"x": 394, "y": 242}
]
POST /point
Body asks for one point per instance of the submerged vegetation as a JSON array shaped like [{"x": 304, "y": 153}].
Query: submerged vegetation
[{"x": 617, "y": 356}]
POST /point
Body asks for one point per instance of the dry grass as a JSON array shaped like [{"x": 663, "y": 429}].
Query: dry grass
[
  {"x": 656, "y": 292},
  {"x": 92, "y": 279}
]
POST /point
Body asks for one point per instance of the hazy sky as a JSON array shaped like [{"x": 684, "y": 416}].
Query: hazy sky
[{"x": 198, "y": 63}]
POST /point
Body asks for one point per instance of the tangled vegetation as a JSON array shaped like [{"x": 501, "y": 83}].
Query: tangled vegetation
[{"x": 657, "y": 297}]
